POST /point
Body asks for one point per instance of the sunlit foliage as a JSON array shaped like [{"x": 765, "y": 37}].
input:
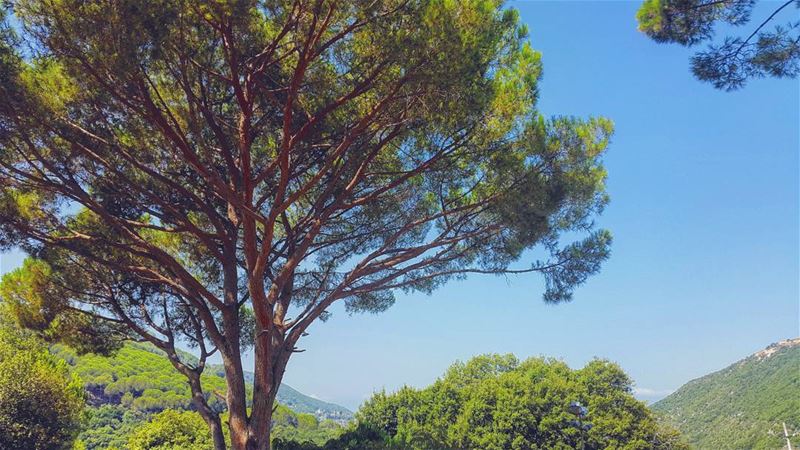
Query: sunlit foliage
[
  {"x": 495, "y": 402},
  {"x": 40, "y": 402}
]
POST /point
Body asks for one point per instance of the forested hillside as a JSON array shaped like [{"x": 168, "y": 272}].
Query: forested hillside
[
  {"x": 126, "y": 390},
  {"x": 743, "y": 405}
]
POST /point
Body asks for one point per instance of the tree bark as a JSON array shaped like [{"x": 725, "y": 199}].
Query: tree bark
[
  {"x": 209, "y": 416},
  {"x": 216, "y": 433},
  {"x": 260, "y": 437},
  {"x": 254, "y": 432},
  {"x": 236, "y": 399},
  {"x": 237, "y": 404}
]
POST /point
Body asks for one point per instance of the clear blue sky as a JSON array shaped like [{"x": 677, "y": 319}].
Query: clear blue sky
[{"x": 704, "y": 210}]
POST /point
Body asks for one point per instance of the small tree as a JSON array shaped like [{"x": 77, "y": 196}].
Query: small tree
[
  {"x": 220, "y": 173},
  {"x": 774, "y": 52},
  {"x": 494, "y": 402},
  {"x": 171, "y": 429},
  {"x": 40, "y": 402}
]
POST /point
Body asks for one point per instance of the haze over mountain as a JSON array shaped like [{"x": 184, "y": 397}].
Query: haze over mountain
[
  {"x": 299, "y": 402},
  {"x": 743, "y": 405}
]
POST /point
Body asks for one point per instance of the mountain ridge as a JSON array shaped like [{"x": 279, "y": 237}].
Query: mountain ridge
[
  {"x": 299, "y": 402},
  {"x": 743, "y": 405}
]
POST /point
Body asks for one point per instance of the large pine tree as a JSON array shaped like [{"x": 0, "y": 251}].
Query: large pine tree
[{"x": 219, "y": 173}]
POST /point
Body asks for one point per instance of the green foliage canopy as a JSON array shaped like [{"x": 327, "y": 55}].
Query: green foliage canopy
[
  {"x": 108, "y": 426},
  {"x": 765, "y": 52},
  {"x": 495, "y": 402},
  {"x": 169, "y": 430},
  {"x": 40, "y": 402},
  {"x": 222, "y": 172}
]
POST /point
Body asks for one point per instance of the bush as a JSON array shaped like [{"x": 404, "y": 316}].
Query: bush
[
  {"x": 171, "y": 429},
  {"x": 495, "y": 403},
  {"x": 40, "y": 402}
]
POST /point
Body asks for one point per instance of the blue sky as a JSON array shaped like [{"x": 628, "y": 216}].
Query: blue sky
[{"x": 704, "y": 210}]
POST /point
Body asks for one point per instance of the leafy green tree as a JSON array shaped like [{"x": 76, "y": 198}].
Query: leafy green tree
[
  {"x": 29, "y": 299},
  {"x": 40, "y": 402},
  {"x": 289, "y": 426},
  {"x": 222, "y": 172},
  {"x": 494, "y": 402},
  {"x": 728, "y": 65},
  {"x": 170, "y": 430},
  {"x": 356, "y": 437},
  {"x": 108, "y": 426}
]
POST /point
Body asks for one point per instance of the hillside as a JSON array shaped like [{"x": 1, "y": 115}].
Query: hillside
[
  {"x": 126, "y": 389},
  {"x": 741, "y": 406},
  {"x": 300, "y": 402},
  {"x": 102, "y": 377}
]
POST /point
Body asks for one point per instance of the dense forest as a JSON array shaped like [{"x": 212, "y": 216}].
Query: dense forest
[
  {"x": 41, "y": 403},
  {"x": 497, "y": 402},
  {"x": 742, "y": 405},
  {"x": 135, "y": 401}
]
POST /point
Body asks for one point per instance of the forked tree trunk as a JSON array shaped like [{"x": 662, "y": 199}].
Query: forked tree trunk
[
  {"x": 254, "y": 432},
  {"x": 237, "y": 405}
]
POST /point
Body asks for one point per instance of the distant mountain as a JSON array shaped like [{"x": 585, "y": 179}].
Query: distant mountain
[
  {"x": 743, "y": 405},
  {"x": 301, "y": 403}
]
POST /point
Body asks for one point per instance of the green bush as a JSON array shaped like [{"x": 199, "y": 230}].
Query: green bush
[
  {"x": 495, "y": 402},
  {"x": 170, "y": 430},
  {"x": 40, "y": 402}
]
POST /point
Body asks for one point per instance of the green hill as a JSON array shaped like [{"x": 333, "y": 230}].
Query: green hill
[
  {"x": 302, "y": 403},
  {"x": 743, "y": 405},
  {"x": 126, "y": 389}
]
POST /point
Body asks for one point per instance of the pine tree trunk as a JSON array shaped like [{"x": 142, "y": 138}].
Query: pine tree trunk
[
  {"x": 256, "y": 434},
  {"x": 262, "y": 438},
  {"x": 237, "y": 405},
  {"x": 270, "y": 364}
]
